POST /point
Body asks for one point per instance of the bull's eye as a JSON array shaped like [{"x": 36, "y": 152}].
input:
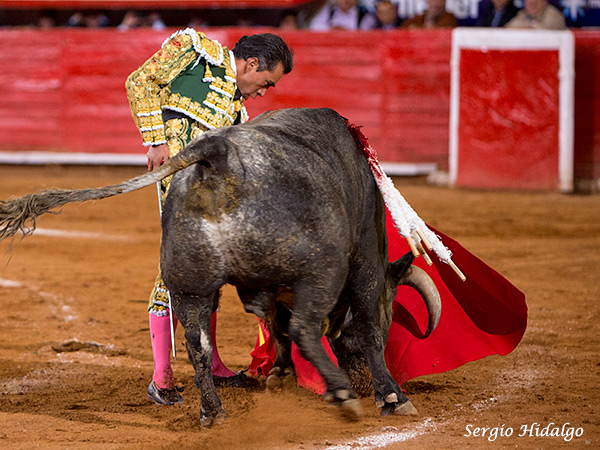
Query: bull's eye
[{"x": 205, "y": 164}]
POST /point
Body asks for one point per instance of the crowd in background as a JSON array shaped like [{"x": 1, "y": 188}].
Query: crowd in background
[{"x": 317, "y": 16}]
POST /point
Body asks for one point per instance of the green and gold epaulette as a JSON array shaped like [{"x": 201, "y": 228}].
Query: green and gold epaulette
[{"x": 209, "y": 49}]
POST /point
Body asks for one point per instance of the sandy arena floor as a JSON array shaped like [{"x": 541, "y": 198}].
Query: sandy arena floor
[{"x": 85, "y": 275}]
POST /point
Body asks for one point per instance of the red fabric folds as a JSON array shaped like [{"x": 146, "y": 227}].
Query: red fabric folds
[
  {"x": 482, "y": 316},
  {"x": 264, "y": 353}
]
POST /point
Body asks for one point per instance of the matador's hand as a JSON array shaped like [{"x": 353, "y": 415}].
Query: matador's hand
[{"x": 157, "y": 156}]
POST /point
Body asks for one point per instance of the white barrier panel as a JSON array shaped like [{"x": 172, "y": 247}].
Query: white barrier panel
[
  {"x": 41, "y": 158},
  {"x": 511, "y": 109}
]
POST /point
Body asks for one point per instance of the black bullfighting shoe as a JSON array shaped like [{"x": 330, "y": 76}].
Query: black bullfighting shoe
[
  {"x": 239, "y": 380},
  {"x": 164, "y": 396}
]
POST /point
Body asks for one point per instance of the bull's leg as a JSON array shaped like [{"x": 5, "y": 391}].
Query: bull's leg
[
  {"x": 388, "y": 394},
  {"x": 194, "y": 313},
  {"x": 311, "y": 306},
  {"x": 368, "y": 312},
  {"x": 274, "y": 307},
  {"x": 282, "y": 375}
]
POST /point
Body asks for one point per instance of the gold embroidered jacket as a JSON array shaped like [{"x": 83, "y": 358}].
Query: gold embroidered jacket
[{"x": 190, "y": 74}]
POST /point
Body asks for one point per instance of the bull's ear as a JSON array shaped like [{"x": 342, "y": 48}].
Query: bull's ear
[{"x": 400, "y": 266}]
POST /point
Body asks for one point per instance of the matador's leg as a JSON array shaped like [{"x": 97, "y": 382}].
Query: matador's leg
[
  {"x": 162, "y": 388},
  {"x": 179, "y": 132}
]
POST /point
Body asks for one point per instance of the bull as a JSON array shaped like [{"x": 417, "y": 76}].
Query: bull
[{"x": 285, "y": 209}]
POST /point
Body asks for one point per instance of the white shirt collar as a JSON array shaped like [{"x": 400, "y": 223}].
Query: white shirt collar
[{"x": 233, "y": 64}]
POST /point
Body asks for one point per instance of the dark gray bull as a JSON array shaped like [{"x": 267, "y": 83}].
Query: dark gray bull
[{"x": 285, "y": 204}]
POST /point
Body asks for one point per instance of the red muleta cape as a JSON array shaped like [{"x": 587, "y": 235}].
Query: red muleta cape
[{"x": 482, "y": 316}]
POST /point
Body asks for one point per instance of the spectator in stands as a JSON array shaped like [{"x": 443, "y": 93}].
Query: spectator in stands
[
  {"x": 95, "y": 20},
  {"x": 197, "y": 23},
  {"x": 289, "y": 20},
  {"x": 76, "y": 20},
  {"x": 131, "y": 20},
  {"x": 386, "y": 14},
  {"x": 190, "y": 85},
  {"x": 538, "y": 14},
  {"x": 46, "y": 20},
  {"x": 154, "y": 21},
  {"x": 244, "y": 19},
  {"x": 435, "y": 16},
  {"x": 496, "y": 13},
  {"x": 89, "y": 20},
  {"x": 342, "y": 15}
]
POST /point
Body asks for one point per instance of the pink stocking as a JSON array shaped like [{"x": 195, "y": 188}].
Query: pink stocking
[
  {"x": 218, "y": 368},
  {"x": 160, "y": 334}
]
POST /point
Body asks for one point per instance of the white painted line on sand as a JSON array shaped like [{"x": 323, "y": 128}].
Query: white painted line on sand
[
  {"x": 390, "y": 435},
  {"x": 9, "y": 283},
  {"x": 75, "y": 234}
]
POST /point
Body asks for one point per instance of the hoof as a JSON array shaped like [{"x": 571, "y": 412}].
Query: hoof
[
  {"x": 396, "y": 404},
  {"x": 274, "y": 383},
  {"x": 349, "y": 406},
  {"x": 209, "y": 421},
  {"x": 239, "y": 380},
  {"x": 406, "y": 409},
  {"x": 391, "y": 398},
  {"x": 351, "y": 409},
  {"x": 279, "y": 379}
]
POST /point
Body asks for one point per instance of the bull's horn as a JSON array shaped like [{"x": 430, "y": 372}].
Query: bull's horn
[{"x": 418, "y": 279}]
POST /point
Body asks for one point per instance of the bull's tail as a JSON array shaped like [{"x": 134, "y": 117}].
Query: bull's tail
[{"x": 20, "y": 214}]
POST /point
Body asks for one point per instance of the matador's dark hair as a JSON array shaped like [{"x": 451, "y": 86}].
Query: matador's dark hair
[{"x": 269, "y": 48}]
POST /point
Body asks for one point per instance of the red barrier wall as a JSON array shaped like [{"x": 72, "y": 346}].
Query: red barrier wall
[{"x": 63, "y": 90}]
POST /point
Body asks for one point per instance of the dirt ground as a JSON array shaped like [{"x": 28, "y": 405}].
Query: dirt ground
[{"x": 75, "y": 355}]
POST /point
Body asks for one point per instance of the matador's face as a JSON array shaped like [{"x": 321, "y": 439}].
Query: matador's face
[{"x": 251, "y": 82}]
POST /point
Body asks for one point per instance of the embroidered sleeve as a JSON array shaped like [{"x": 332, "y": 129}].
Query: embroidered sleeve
[{"x": 144, "y": 86}]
